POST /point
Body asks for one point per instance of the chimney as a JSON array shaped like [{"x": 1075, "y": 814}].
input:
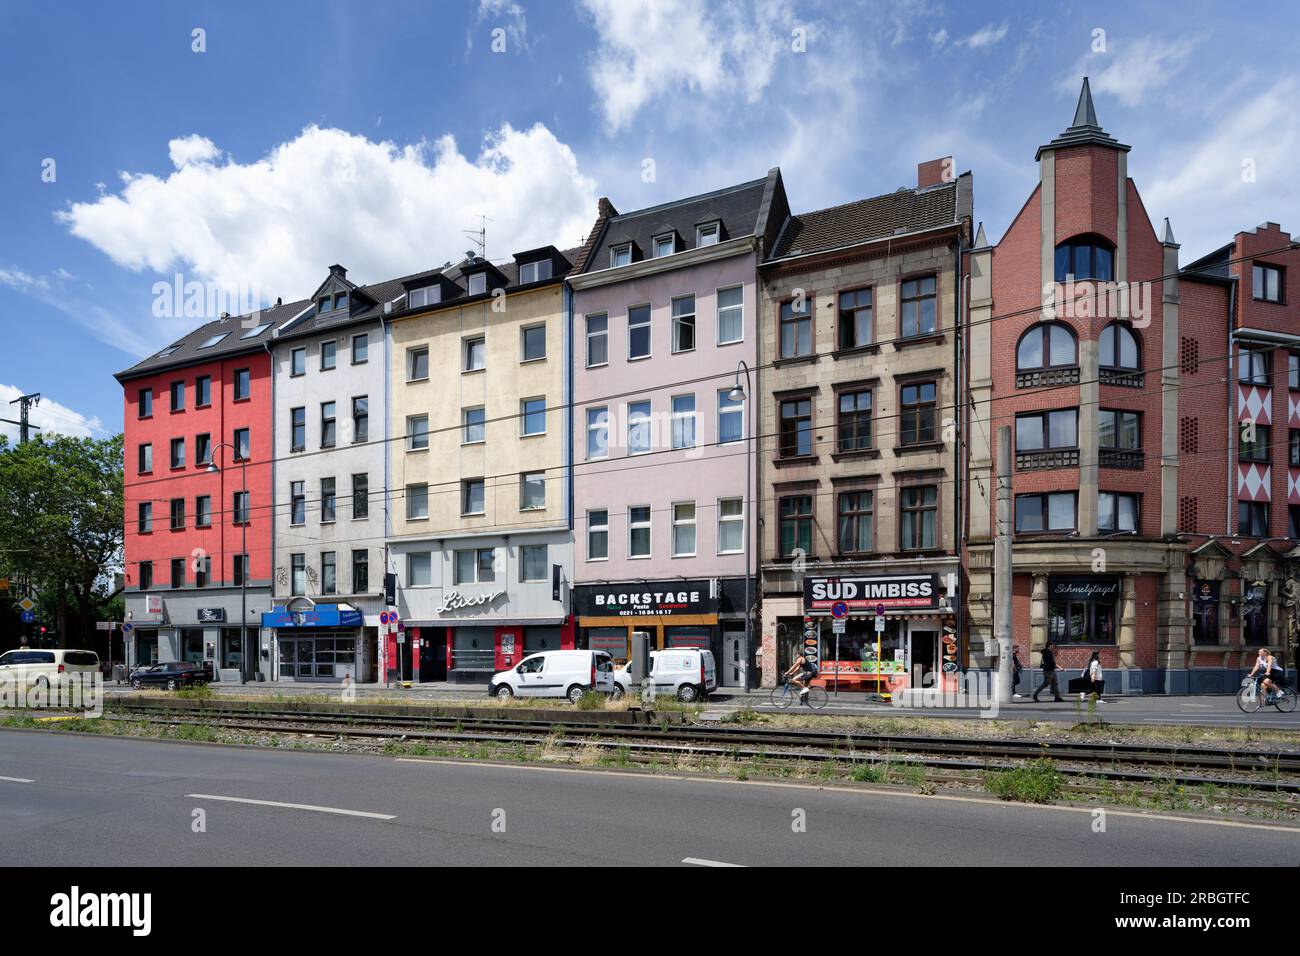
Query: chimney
[
  {"x": 338, "y": 270},
  {"x": 934, "y": 172}
]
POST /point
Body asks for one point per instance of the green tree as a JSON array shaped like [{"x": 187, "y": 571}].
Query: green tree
[{"x": 61, "y": 525}]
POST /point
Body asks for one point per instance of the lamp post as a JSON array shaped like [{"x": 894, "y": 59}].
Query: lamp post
[
  {"x": 243, "y": 552},
  {"x": 738, "y": 394}
]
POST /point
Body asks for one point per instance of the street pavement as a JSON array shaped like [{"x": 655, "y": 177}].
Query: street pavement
[{"x": 91, "y": 801}]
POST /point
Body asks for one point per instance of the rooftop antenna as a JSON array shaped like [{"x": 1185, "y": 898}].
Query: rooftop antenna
[
  {"x": 24, "y": 403},
  {"x": 479, "y": 236}
]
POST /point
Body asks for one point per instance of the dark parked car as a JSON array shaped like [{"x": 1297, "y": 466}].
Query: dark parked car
[{"x": 172, "y": 674}]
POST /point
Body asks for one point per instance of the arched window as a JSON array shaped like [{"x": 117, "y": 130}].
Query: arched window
[
  {"x": 1085, "y": 257},
  {"x": 1118, "y": 347},
  {"x": 1046, "y": 345}
]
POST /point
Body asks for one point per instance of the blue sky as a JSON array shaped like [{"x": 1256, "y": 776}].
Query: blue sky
[{"x": 372, "y": 134}]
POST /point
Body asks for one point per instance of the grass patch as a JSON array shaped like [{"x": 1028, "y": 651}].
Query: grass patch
[
  {"x": 1039, "y": 782},
  {"x": 867, "y": 773},
  {"x": 591, "y": 700},
  {"x": 195, "y": 692}
]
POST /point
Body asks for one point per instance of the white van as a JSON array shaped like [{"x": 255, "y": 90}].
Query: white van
[
  {"x": 688, "y": 673},
  {"x": 556, "y": 674},
  {"x": 28, "y": 667}
]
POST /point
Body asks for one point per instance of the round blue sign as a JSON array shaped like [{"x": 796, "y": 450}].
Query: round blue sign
[
  {"x": 839, "y": 609},
  {"x": 28, "y": 617}
]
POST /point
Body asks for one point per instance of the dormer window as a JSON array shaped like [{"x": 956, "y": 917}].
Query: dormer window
[
  {"x": 341, "y": 300},
  {"x": 323, "y": 305},
  {"x": 707, "y": 234},
  {"x": 664, "y": 245},
  {"x": 429, "y": 295},
  {"x": 534, "y": 271},
  {"x": 620, "y": 255},
  {"x": 478, "y": 283}
]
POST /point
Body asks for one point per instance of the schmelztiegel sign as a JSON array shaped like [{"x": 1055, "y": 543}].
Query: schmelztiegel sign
[
  {"x": 863, "y": 594},
  {"x": 647, "y": 599}
]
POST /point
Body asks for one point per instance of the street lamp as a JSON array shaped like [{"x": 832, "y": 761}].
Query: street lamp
[
  {"x": 738, "y": 394},
  {"x": 243, "y": 552}
]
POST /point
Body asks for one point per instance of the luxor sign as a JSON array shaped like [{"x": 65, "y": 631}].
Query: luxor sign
[{"x": 864, "y": 594}]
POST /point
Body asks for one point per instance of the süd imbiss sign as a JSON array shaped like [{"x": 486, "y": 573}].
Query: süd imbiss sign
[{"x": 864, "y": 594}]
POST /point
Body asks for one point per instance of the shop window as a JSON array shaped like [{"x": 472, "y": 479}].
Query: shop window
[
  {"x": 1082, "y": 610},
  {"x": 1254, "y": 613},
  {"x": 1252, "y": 519},
  {"x": 1205, "y": 612},
  {"x": 796, "y": 534}
]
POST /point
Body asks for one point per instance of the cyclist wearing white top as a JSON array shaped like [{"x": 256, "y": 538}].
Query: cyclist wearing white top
[{"x": 1266, "y": 665}]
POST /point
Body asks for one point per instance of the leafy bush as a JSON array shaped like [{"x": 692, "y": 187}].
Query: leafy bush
[{"x": 1038, "y": 782}]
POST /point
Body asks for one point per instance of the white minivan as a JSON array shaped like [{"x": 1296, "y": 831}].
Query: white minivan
[
  {"x": 28, "y": 667},
  {"x": 556, "y": 674},
  {"x": 688, "y": 673}
]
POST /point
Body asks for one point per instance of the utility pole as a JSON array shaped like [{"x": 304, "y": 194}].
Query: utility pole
[
  {"x": 1002, "y": 565},
  {"x": 24, "y": 403}
]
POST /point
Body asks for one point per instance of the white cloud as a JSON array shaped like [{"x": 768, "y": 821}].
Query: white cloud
[
  {"x": 331, "y": 196},
  {"x": 939, "y": 37},
  {"x": 192, "y": 149},
  {"x": 1131, "y": 70},
  {"x": 52, "y": 417},
  {"x": 985, "y": 36},
  {"x": 60, "y": 290},
  {"x": 506, "y": 15}
]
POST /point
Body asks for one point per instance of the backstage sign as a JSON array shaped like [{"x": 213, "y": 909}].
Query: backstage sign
[
  {"x": 652, "y": 599},
  {"x": 864, "y": 594}
]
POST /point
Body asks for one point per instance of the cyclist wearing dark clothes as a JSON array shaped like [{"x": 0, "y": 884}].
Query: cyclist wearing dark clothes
[{"x": 801, "y": 673}]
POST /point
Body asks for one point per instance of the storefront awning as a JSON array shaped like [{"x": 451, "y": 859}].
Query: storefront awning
[{"x": 322, "y": 615}]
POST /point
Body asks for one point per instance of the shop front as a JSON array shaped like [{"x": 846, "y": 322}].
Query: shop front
[
  {"x": 198, "y": 625},
  {"x": 674, "y": 613},
  {"x": 321, "y": 642}
]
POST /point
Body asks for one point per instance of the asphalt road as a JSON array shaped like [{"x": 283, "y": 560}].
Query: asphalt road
[{"x": 86, "y": 801}]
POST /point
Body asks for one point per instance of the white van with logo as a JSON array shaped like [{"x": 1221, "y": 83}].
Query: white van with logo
[
  {"x": 556, "y": 674},
  {"x": 688, "y": 673},
  {"x": 51, "y": 667}
]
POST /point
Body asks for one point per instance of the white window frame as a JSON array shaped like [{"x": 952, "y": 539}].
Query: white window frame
[
  {"x": 410, "y": 498},
  {"x": 595, "y": 428},
  {"x": 603, "y": 316},
  {"x": 712, "y": 228},
  {"x": 616, "y": 253},
  {"x": 523, "y": 416},
  {"x": 657, "y": 241},
  {"x": 411, "y": 433},
  {"x": 719, "y": 309},
  {"x": 466, "y": 350},
  {"x": 411, "y": 355},
  {"x": 679, "y": 523},
  {"x": 675, "y": 345},
  {"x": 464, "y": 496},
  {"x": 593, "y": 528},
  {"x": 411, "y": 557},
  {"x": 634, "y": 418},
  {"x": 649, "y": 326},
  {"x": 648, "y": 524},
  {"x": 677, "y": 416},
  {"x": 523, "y": 485},
  {"x": 465, "y": 426},
  {"x": 523, "y": 565},
  {"x": 476, "y": 279},
  {"x": 532, "y": 271},
  {"x": 736, "y": 409},
  {"x": 523, "y": 342},
  {"x": 725, "y": 520}
]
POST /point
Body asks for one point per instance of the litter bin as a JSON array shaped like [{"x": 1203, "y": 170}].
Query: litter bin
[{"x": 119, "y": 674}]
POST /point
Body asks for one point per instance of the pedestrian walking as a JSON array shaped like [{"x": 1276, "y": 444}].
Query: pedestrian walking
[
  {"x": 1095, "y": 677},
  {"x": 1049, "y": 675},
  {"x": 1016, "y": 668}
]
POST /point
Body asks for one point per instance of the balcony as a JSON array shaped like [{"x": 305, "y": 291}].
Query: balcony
[
  {"x": 1047, "y": 376},
  {"x": 1047, "y": 459},
  {"x": 1131, "y": 460}
]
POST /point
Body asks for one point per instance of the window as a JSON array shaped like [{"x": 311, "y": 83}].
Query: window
[
  {"x": 707, "y": 234},
  {"x": 323, "y": 305},
  {"x": 242, "y": 390},
  {"x": 428, "y": 295},
  {"x": 238, "y": 569},
  {"x": 242, "y": 444},
  {"x": 597, "y": 535},
  {"x": 475, "y": 354},
  {"x": 417, "y": 432},
  {"x": 917, "y": 416},
  {"x": 239, "y": 507},
  {"x": 419, "y": 569},
  {"x": 360, "y": 571},
  {"x": 597, "y": 433},
  {"x": 665, "y": 245},
  {"x": 327, "y": 500},
  {"x": 533, "y": 342},
  {"x": 638, "y": 332},
  {"x": 472, "y": 501},
  {"x": 532, "y": 414},
  {"x": 202, "y": 449},
  {"x": 203, "y": 511},
  {"x": 202, "y": 391},
  {"x": 487, "y": 565},
  {"x": 360, "y": 419},
  {"x": 202, "y": 570},
  {"x": 638, "y": 428},
  {"x": 1252, "y": 366},
  {"x": 255, "y": 331},
  {"x": 683, "y": 421},
  {"x": 731, "y": 315},
  {"x": 1267, "y": 283},
  {"x": 329, "y": 575},
  {"x": 638, "y": 531},
  {"x": 1293, "y": 521},
  {"x": 1040, "y": 431},
  {"x": 474, "y": 425},
  {"x": 1252, "y": 518},
  {"x": 1119, "y": 430},
  {"x": 796, "y": 428},
  {"x": 1293, "y": 371},
  {"x": 465, "y": 565},
  {"x": 145, "y": 458},
  {"x": 918, "y": 517},
  {"x": 1255, "y": 444},
  {"x": 178, "y": 396},
  {"x": 1046, "y": 345},
  {"x": 532, "y": 562},
  {"x": 1293, "y": 447},
  {"x": 1205, "y": 612},
  {"x": 340, "y": 300},
  {"x": 796, "y": 328},
  {"x": 145, "y": 403},
  {"x": 144, "y": 517},
  {"x": 298, "y": 362},
  {"x": 178, "y": 453},
  {"x": 360, "y": 348},
  {"x": 1117, "y": 512},
  {"x": 854, "y": 425},
  {"x": 1082, "y": 610},
  {"x": 360, "y": 496},
  {"x": 855, "y": 521},
  {"x": 917, "y": 306},
  {"x": 731, "y": 417},
  {"x": 297, "y": 429},
  {"x": 796, "y": 525},
  {"x": 298, "y": 574},
  {"x": 684, "y": 323},
  {"x": 477, "y": 283},
  {"x": 417, "y": 501},
  {"x": 597, "y": 340},
  {"x": 1254, "y": 613},
  {"x": 328, "y": 355},
  {"x": 1049, "y": 512},
  {"x": 328, "y": 432},
  {"x": 417, "y": 364},
  {"x": 178, "y": 514},
  {"x": 146, "y": 575},
  {"x": 731, "y": 525},
  {"x": 855, "y": 322},
  {"x": 298, "y": 502},
  {"x": 532, "y": 491},
  {"x": 620, "y": 255},
  {"x": 178, "y": 572},
  {"x": 534, "y": 271},
  {"x": 684, "y": 529},
  {"x": 1118, "y": 347},
  {"x": 1087, "y": 257}
]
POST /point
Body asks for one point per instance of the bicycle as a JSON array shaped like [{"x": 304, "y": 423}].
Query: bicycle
[
  {"x": 1249, "y": 700},
  {"x": 785, "y": 694}
]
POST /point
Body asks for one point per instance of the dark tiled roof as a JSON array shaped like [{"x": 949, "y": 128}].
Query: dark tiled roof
[
  {"x": 866, "y": 220},
  {"x": 1213, "y": 266}
]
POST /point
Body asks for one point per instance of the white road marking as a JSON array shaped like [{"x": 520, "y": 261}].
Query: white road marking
[
  {"x": 696, "y": 861},
  {"x": 292, "y": 806},
  {"x": 17, "y": 780}
]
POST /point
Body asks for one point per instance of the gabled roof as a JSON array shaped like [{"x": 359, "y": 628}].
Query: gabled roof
[{"x": 1085, "y": 128}]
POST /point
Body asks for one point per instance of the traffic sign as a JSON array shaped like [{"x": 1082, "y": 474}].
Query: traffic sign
[
  {"x": 27, "y": 604},
  {"x": 105, "y": 625},
  {"x": 880, "y": 624},
  {"x": 839, "y": 609},
  {"x": 838, "y": 625},
  {"x": 28, "y": 617},
  {"x": 880, "y": 610},
  {"x": 4, "y": 584},
  {"x": 126, "y": 628},
  {"x": 383, "y": 617}
]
